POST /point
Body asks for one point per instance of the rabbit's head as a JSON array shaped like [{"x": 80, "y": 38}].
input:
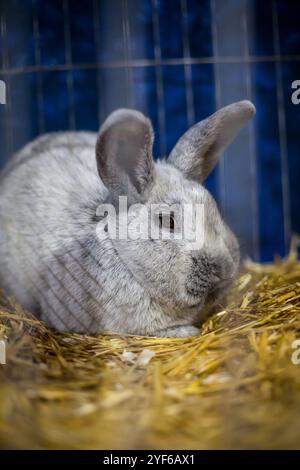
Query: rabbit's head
[{"x": 176, "y": 272}]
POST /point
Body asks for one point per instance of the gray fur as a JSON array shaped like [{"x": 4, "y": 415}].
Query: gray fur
[
  {"x": 199, "y": 149},
  {"x": 51, "y": 259}
]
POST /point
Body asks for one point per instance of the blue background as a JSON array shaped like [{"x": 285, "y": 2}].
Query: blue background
[{"x": 67, "y": 64}]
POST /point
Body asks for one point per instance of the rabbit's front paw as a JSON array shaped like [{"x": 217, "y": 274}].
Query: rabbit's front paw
[{"x": 178, "y": 332}]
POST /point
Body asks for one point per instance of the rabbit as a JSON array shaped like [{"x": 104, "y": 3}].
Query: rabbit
[{"x": 53, "y": 261}]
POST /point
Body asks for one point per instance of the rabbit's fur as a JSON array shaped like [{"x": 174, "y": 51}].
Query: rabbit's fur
[{"x": 54, "y": 264}]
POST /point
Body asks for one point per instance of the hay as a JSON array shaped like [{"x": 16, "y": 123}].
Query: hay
[{"x": 234, "y": 386}]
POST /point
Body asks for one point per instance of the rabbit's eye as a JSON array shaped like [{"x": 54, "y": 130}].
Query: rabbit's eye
[
  {"x": 166, "y": 221},
  {"x": 172, "y": 222}
]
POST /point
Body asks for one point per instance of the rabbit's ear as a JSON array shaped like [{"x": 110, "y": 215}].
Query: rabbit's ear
[
  {"x": 199, "y": 149},
  {"x": 124, "y": 153}
]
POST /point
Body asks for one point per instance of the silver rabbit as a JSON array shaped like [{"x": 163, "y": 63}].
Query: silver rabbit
[{"x": 52, "y": 260}]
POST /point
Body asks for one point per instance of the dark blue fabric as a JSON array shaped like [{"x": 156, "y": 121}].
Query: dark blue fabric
[
  {"x": 261, "y": 41},
  {"x": 199, "y": 28},
  {"x": 175, "y": 109},
  {"x": 145, "y": 99},
  {"x": 271, "y": 220},
  {"x": 289, "y": 74},
  {"x": 51, "y": 30},
  {"x": 288, "y": 18},
  {"x": 140, "y": 19},
  {"x": 86, "y": 110},
  {"x": 82, "y": 32},
  {"x": 56, "y": 101}
]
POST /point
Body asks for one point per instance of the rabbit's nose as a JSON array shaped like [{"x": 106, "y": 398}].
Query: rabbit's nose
[{"x": 215, "y": 279}]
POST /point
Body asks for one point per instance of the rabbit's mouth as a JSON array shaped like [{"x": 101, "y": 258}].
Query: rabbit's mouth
[
  {"x": 211, "y": 296},
  {"x": 219, "y": 291},
  {"x": 194, "y": 299},
  {"x": 196, "y": 304}
]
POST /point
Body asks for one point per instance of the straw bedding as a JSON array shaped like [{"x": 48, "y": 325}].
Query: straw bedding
[{"x": 233, "y": 386}]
